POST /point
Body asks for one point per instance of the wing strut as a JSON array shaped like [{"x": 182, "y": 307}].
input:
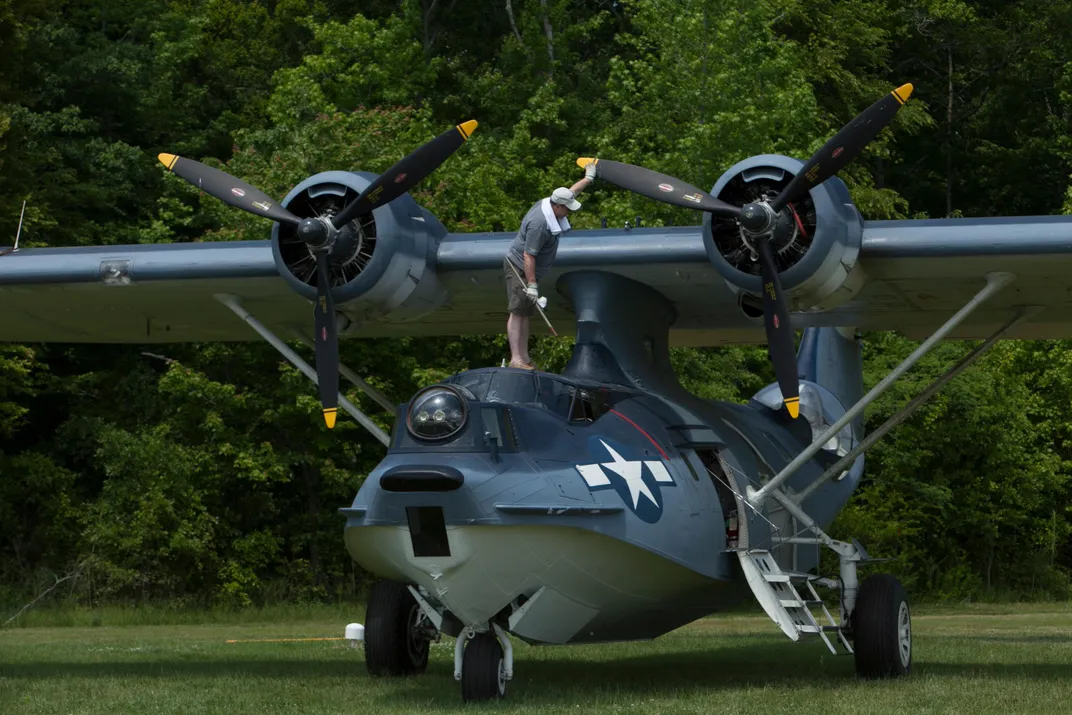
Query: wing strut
[
  {"x": 235, "y": 304},
  {"x": 905, "y": 412},
  {"x": 994, "y": 282}
]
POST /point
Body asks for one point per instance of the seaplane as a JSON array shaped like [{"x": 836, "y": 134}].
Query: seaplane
[{"x": 605, "y": 502}]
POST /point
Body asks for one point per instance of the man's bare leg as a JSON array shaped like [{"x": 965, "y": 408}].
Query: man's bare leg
[
  {"x": 523, "y": 339},
  {"x": 513, "y": 335}
]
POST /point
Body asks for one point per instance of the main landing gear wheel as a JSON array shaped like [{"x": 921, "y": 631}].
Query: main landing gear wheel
[
  {"x": 882, "y": 628},
  {"x": 394, "y": 642},
  {"x": 483, "y": 669}
]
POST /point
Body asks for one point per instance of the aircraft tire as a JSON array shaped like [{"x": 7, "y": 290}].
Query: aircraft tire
[
  {"x": 392, "y": 646},
  {"x": 483, "y": 669},
  {"x": 882, "y": 629}
]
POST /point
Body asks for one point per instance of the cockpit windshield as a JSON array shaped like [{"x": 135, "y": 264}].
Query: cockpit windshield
[{"x": 571, "y": 400}]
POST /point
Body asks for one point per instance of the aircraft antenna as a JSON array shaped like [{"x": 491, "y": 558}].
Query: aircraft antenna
[{"x": 19, "y": 230}]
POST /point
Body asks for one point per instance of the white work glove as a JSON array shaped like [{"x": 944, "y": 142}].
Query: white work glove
[
  {"x": 590, "y": 171},
  {"x": 532, "y": 292}
]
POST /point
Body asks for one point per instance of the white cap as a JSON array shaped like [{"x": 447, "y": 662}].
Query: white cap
[{"x": 565, "y": 197}]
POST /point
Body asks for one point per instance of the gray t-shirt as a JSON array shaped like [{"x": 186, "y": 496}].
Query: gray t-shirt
[{"x": 535, "y": 238}]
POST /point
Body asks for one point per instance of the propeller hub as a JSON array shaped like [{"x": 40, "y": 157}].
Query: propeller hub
[
  {"x": 314, "y": 232},
  {"x": 757, "y": 217},
  {"x": 347, "y": 243}
]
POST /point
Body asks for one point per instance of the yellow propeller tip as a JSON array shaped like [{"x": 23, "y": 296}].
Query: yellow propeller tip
[
  {"x": 903, "y": 92},
  {"x": 329, "y": 417},
  {"x": 793, "y": 405},
  {"x": 167, "y": 160},
  {"x": 467, "y": 128},
  {"x": 584, "y": 161}
]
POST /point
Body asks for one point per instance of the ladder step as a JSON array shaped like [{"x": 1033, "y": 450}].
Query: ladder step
[
  {"x": 800, "y": 575},
  {"x": 797, "y": 603},
  {"x": 776, "y": 591}
]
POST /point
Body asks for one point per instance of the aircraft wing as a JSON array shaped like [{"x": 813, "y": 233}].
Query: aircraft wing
[{"x": 916, "y": 274}]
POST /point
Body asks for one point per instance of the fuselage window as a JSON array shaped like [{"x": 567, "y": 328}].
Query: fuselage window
[
  {"x": 688, "y": 464},
  {"x": 586, "y": 407}
]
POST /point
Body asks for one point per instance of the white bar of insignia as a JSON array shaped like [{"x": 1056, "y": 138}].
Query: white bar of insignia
[
  {"x": 658, "y": 470},
  {"x": 593, "y": 475}
]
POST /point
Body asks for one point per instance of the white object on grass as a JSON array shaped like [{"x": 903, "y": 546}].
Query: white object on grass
[{"x": 355, "y": 632}]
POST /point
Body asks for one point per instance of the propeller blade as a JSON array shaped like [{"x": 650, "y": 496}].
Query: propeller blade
[
  {"x": 327, "y": 342},
  {"x": 659, "y": 187},
  {"x": 844, "y": 146},
  {"x": 779, "y": 334},
  {"x": 407, "y": 172},
  {"x": 227, "y": 188}
]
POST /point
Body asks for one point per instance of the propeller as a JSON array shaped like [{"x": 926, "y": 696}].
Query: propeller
[
  {"x": 407, "y": 173},
  {"x": 759, "y": 218},
  {"x": 660, "y": 187},
  {"x": 227, "y": 188},
  {"x": 320, "y": 234}
]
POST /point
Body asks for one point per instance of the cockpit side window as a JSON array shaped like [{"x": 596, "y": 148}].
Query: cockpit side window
[
  {"x": 587, "y": 406},
  {"x": 499, "y": 425}
]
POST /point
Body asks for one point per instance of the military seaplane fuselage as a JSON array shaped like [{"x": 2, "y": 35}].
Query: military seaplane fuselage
[{"x": 606, "y": 502}]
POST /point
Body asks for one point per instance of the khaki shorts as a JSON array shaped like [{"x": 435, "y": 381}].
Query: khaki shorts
[{"x": 516, "y": 301}]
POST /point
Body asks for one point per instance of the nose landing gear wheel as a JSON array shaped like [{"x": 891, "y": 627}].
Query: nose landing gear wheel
[
  {"x": 483, "y": 669},
  {"x": 394, "y": 645},
  {"x": 882, "y": 627}
]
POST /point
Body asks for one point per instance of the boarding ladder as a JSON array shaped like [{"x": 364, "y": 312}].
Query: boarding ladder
[{"x": 776, "y": 593}]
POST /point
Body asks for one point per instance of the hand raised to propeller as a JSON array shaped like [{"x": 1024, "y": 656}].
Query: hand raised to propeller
[{"x": 660, "y": 187}]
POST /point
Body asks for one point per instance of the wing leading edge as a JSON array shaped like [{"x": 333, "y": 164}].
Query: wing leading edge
[{"x": 918, "y": 274}]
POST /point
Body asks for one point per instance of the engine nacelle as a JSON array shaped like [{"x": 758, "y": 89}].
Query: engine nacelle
[
  {"x": 815, "y": 249},
  {"x": 384, "y": 270}
]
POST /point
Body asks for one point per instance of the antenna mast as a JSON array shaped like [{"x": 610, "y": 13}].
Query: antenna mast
[{"x": 19, "y": 231}]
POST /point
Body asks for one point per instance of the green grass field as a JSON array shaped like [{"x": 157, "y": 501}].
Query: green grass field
[{"x": 998, "y": 659}]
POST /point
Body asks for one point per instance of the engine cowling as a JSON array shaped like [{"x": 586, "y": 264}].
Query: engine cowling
[
  {"x": 816, "y": 242},
  {"x": 382, "y": 270}
]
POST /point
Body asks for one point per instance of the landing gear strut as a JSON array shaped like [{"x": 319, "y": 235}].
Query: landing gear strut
[
  {"x": 875, "y": 616},
  {"x": 483, "y": 662}
]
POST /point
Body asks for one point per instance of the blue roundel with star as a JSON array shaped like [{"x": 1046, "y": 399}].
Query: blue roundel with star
[{"x": 638, "y": 482}]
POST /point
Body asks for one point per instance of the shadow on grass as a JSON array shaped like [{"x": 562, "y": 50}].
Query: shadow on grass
[
  {"x": 556, "y": 675},
  {"x": 557, "y": 681}
]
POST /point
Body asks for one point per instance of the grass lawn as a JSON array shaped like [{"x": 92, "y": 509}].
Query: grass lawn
[{"x": 1000, "y": 659}]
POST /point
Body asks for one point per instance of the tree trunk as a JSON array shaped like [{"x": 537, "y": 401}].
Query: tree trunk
[
  {"x": 550, "y": 38},
  {"x": 513, "y": 22},
  {"x": 429, "y": 10}
]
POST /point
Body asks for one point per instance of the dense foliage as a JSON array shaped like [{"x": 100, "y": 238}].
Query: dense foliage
[{"x": 202, "y": 473}]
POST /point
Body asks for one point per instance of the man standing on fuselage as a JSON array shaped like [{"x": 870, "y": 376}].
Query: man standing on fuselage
[{"x": 531, "y": 256}]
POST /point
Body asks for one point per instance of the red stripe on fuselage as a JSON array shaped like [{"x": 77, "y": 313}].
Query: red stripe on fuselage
[{"x": 639, "y": 429}]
